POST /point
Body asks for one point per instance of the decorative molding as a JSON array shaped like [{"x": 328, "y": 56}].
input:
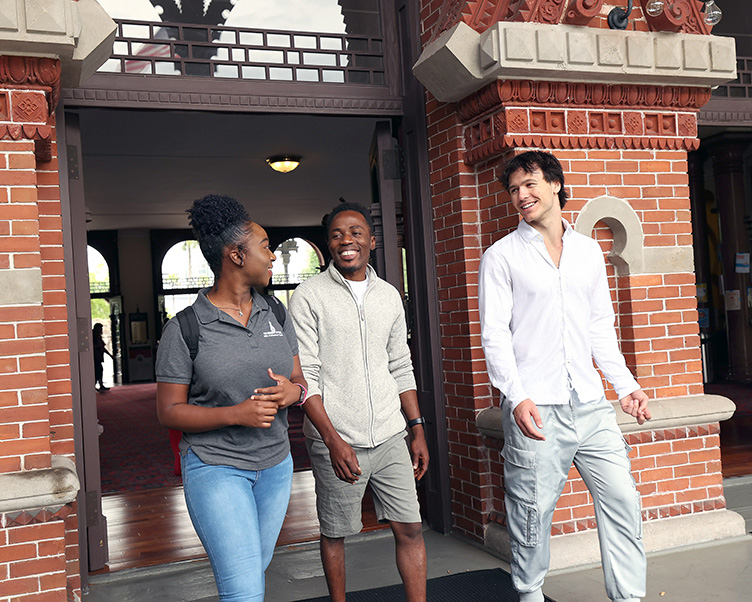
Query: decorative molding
[
  {"x": 461, "y": 61},
  {"x": 684, "y": 16},
  {"x": 580, "y": 94},
  {"x": 537, "y": 11},
  {"x": 629, "y": 255},
  {"x": 691, "y": 412},
  {"x": 36, "y": 516},
  {"x": 103, "y": 96},
  {"x": 581, "y": 12},
  {"x": 78, "y": 32},
  {"x": 513, "y": 127},
  {"x": 452, "y": 13},
  {"x": 578, "y": 549},
  {"x": 38, "y": 72},
  {"x": 479, "y": 15},
  {"x": 39, "y": 493},
  {"x": 18, "y": 131},
  {"x": 736, "y": 118}
]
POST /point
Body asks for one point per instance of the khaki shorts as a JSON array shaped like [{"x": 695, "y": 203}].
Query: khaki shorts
[{"x": 389, "y": 470}]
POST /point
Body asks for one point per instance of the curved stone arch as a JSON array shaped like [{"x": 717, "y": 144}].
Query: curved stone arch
[{"x": 627, "y": 254}]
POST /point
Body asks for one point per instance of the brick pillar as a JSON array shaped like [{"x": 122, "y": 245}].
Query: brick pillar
[
  {"x": 42, "y": 44},
  {"x": 38, "y": 543},
  {"x": 624, "y": 149},
  {"x": 457, "y": 211}
]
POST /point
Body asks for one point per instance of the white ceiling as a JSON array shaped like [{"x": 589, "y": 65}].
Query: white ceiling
[{"x": 143, "y": 169}]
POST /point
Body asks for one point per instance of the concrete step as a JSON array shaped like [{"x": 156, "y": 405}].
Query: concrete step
[{"x": 738, "y": 492}]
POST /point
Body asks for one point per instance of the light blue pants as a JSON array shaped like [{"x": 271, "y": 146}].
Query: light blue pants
[
  {"x": 238, "y": 515},
  {"x": 535, "y": 473}
]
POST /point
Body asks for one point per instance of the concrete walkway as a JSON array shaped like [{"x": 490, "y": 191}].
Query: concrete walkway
[{"x": 717, "y": 572}]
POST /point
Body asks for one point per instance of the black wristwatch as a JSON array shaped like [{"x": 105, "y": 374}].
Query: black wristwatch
[{"x": 416, "y": 421}]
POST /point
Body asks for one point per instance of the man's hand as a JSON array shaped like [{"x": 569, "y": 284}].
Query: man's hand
[
  {"x": 524, "y": 414},
  {"x": 419, "y": 451},
  {"x": 636, "y": 404},
  {"x": 344, "y": 461}
]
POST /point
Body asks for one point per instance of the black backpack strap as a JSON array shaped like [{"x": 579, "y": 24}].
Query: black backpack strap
[
  {"x": 189, "y": 327},
  {"x": 277, "y": 308}
]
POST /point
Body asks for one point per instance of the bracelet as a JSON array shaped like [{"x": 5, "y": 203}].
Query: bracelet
[
  {"x": 416, "y": 421},
  {"x": 303, "y": 394}
]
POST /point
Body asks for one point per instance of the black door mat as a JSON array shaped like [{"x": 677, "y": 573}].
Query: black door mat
[{"x": 492, "y": 585}]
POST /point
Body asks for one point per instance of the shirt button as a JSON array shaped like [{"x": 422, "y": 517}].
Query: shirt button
[{"x": 250, "y": 334}]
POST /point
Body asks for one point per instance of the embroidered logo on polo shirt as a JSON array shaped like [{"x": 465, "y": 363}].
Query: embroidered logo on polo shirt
[{"x": 272, "y": 332}]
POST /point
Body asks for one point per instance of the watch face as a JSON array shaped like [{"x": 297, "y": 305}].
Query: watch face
[{"x": 301, "y": 399}]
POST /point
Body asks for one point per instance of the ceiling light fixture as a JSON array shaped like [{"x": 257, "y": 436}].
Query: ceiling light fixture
[{"x": 283, "y": 163}]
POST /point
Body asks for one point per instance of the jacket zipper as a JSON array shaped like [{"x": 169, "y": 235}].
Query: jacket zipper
[
  {"x": 364, "y": 338},
  {"x": 364, "y": 350}
]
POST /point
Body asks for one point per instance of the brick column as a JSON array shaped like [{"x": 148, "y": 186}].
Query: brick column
[
  {"x": 38, "y": 547},
  {"x": 42, "y": 44},
  {"x": 624, "y": 149}
]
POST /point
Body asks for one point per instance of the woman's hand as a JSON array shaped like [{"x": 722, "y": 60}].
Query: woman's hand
[
  {"x": 284, "y": 393},
  {"x": 255, "y": 412}
]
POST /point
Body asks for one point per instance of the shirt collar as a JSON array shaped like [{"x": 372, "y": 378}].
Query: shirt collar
[
  {"x": 529, "y": 234},
  {"x": 338, "y": 277},
  {"x": 207, "y": 312}
]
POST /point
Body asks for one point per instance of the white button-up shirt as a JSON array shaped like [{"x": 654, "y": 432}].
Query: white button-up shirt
[{"x": 542, "y": 326}]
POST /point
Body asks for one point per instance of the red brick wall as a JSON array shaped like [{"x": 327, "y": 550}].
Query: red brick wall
[
  {"x": 38, "y": 550},
  {"x": 677, "y": 471},
  {"x": 656, "y": 317}
]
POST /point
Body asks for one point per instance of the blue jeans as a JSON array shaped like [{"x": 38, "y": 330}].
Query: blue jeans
[{"x": 238, "y": 515}]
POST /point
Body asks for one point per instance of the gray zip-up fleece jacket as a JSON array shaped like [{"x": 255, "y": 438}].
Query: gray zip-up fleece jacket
[{"x": 356, "y": 358}]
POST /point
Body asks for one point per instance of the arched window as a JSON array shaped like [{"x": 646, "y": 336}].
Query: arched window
[
  {"x": 297, "y": 260},
  {"x": 184, "y": 271},
  {"x": 99, "y": 271}
]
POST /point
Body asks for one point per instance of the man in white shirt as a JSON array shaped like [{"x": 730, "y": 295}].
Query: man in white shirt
[{"x": 546, "y": 314}]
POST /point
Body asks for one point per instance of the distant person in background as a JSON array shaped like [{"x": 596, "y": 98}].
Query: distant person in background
[{"x": 99, "y": 350}]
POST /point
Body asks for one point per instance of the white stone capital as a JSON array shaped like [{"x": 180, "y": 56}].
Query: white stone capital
[
  {"x": 79, "y": 33},
  {"x": 461, "y": 60}
]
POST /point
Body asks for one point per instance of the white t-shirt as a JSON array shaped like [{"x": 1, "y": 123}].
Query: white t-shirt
[{"x": 358, "y": 288}]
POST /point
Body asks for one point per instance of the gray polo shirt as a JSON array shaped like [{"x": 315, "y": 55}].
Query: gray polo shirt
[{"x": 232, "y": 361}]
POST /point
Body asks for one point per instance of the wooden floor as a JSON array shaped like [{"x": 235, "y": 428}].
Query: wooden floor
[
  {"x": 151, "y": 527},
  {"x": 736, "y": 446}
]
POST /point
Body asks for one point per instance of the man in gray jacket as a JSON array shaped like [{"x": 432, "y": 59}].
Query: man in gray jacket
[{"x": 353, "y": 348}]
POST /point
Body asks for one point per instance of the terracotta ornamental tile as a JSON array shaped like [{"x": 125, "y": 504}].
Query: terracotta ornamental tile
[
  {"x": 517, "y": 120},
  {"x": 29, "y": 107},
  {"x": 577, "y": 122}
]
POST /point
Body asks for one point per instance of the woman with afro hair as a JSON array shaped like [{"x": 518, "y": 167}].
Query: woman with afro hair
[{"x": 231, "y": 401}]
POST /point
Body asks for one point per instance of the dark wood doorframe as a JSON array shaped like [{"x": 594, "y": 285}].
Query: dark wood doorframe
[
  {"x": 421, "y": 273},
  {"x": 92, "y": 525},
  {"x": 386, "y": 181},
  {"x": 403, "y": 220}
]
